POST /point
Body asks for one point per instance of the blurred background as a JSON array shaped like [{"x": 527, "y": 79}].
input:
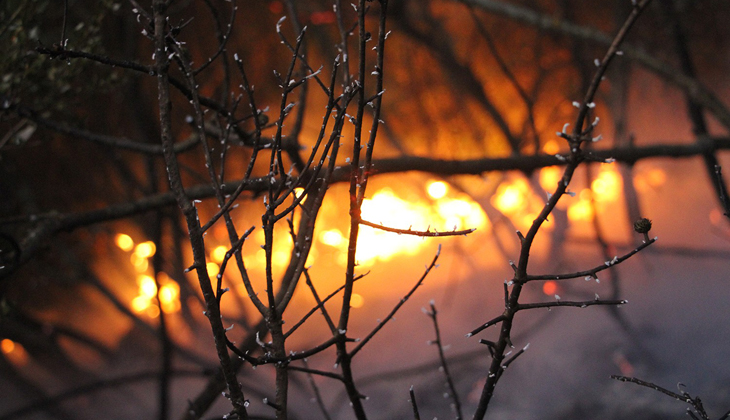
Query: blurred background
[{"x": 469, "y": 80}]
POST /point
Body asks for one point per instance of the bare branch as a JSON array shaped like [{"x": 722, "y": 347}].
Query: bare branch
[
  {"x": 426, "y": 233},
  {"x": 400, "y": 303}
]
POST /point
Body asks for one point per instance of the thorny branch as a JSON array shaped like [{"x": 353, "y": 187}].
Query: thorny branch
[
  {"x": 695, "y": 402},
  {"x": 575, "y": 139}
]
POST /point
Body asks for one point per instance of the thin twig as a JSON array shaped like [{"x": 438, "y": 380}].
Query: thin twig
[
  {"x": 409, "y": 231},
  {"x": 445, "y": 367},
  {"x": 400, "y": 303},
  {"x": 414, "y": 405}
]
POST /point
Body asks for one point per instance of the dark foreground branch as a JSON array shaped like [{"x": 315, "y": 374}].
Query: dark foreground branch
[{"x": 52, "y": 223}]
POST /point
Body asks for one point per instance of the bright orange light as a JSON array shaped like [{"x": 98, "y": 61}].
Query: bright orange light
[
  {"x": 219, "y": 253},
  {"x": 387, "y": 208},
  {"x": 582, "y": 210},
  {"x": 7, "y": 346},
  {"x": 280, "y": 258},
  {"x": 551, "y": 147},
  {"x": 356, "y": 301},
  {"x": 549, "y": 288},
  {"x": 14, "y": 352},
  {"x": 508, "y": 198},
  {"x": 332, "y": 237},
  {"x": 169, "y": 297},
  {"x": 166, "y": 294},
  {"x": 607, "y": 186},
  {"x": 140, "y": 303},
  {"x": 212, "y": 269},
  {"x": 124, "y": 242},
  {"x": 460, "y": 214},
  {"x": 298, "y": 193},
  {"x": 437, "y": 189},
  {"x": 147, "y": 286},
  {"x": 145, "y": 249},
  {"x": 549, "y": 177}
]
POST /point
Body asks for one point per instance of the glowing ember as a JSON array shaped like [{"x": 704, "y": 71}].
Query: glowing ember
[
  {"x": 437, "y": 189},
  {"x": 298, "y": 193},
  {"x": 219, "y": 253},
  {"x": 145, "y": 249},
  {"x": 146, "y": 301},
  {"x": 7, "y": 346},
  {"x": 510, "y": 197},
  {"x": 581, "y": 211},
  {"x": 124, "y": 242},
  {"x": 549, "y": 288},
  {"x": 387, "y": 208},
  {"x": 147, "y": 286},
  {"x": 14, "y": 352},
  {"x": 169, "y": 294},
  {"x": 551, "y": 147},
  {"x": 607, "y": 186},
  {"x": 212, "y": 269},
  {"x": 332, "y": 237},
  {"x": 549, "y": 177}
]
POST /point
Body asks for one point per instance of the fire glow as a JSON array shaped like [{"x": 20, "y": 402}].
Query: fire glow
[
  {"x": 446, "y": 213},
  {"x": 440, "y": 208},
  {"x": 146, "y": 299}
]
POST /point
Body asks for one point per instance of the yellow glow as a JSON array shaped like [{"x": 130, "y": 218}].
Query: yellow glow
[
  {"x": 332, "y": 237},
  {"x": 607, "y": 185},
  {"x": 437, "y": 189},
  {"x": 124, "y": 242},
  {"x": 166, "y": 294},
  {"x": 298, "y": 193},
  {"x": 356, "y": 301},
  {"x": 140, "y": 303},
  {"x": 169, "y": 297},
  {"x": 145, "y": 249},
  {"x": 219, "y": 253},
  {"x": 387, "y": 208},
  {"x": 508, "y": 199},
  {"x": 551, "y": 147},
  {"x": 147, "y": 286},
  {"x": 7, "y": 345},
  {"x": 212, "y": 269},
  {"x": 280, "y": 258},
  {"x": 581, "y": 210},
  {"x": 549, "y": 177}
]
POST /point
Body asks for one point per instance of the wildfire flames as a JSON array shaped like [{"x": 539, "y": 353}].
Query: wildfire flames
[{"x": 440, "y": 208}]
